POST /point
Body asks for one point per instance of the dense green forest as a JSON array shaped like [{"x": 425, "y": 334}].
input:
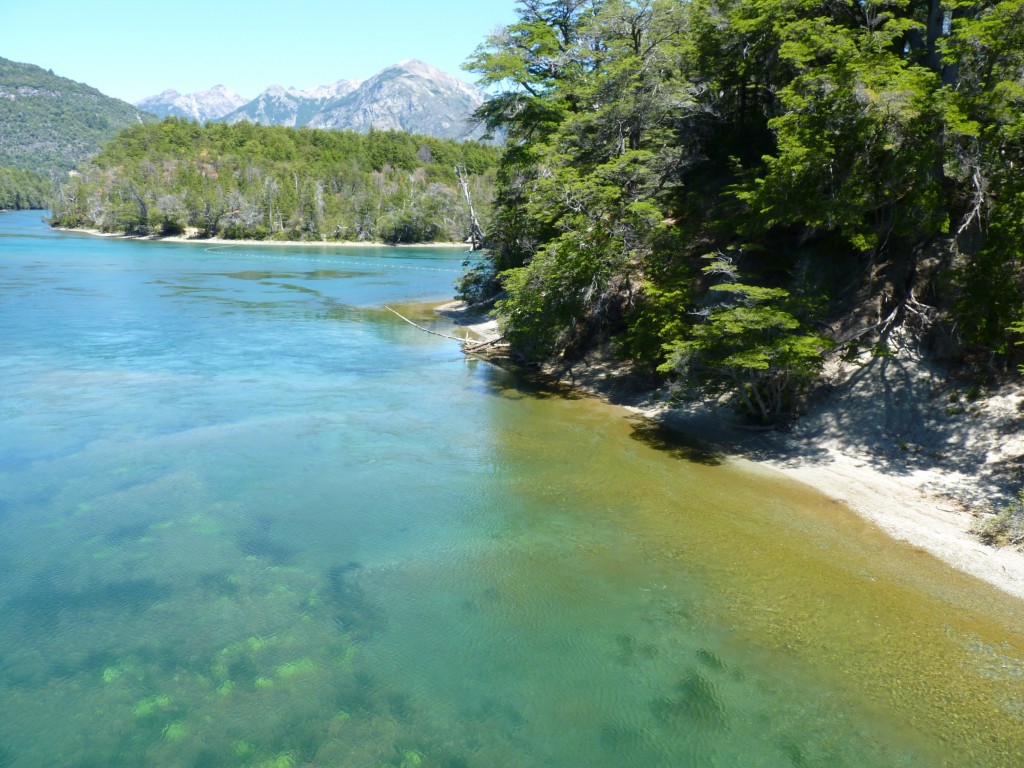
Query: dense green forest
[
  {"x": 253, "y": 181},
  {"x": 729, "y": 190},
  {"x": 21, "y": 189}
]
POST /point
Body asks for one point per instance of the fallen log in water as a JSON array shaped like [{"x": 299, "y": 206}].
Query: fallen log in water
[
  {"x": 427, "y": 330},
  {"x": 467, "y": 346}
]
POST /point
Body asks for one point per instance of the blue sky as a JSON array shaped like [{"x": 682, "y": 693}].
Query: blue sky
[{"x": 132, "y": 49}]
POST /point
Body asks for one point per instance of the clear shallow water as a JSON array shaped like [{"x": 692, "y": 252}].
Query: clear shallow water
[{"x": 248, "y": 518}]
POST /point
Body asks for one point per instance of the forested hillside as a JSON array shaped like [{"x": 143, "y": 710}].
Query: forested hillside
[
  {"x": 22, "y": 190},
  {"x": 50, "y": 123},
  {"x": 252, "y": 181},
  {"x": 729, "y": 190}
]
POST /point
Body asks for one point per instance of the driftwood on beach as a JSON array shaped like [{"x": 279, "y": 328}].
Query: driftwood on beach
[{"x": 470, "y": 348}]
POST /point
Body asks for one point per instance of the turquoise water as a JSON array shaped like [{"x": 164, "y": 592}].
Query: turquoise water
[{"x": 250, "y": 518}]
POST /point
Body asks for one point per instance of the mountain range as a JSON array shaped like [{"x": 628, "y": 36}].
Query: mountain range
[
  {"x": 202, "y": 106},
  {"x": 409, "y": 96},
  {"x": 51, "y": 124}
]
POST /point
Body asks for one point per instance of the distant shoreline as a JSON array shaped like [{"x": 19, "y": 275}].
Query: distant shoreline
[{"x": 290, "y": 243}]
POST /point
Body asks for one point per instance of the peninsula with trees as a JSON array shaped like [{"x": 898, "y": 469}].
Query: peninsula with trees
[{"x": 247, "y": 181}]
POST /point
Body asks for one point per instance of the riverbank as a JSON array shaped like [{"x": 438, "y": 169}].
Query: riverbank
[
  {"x": 913, "y": 484},
  {"x": 193, "y": 238},
  {"x": 890, "y": 437}
]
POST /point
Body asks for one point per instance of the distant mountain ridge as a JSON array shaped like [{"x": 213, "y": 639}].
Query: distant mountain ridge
[
  {"x": 51, "y": 124},
  {"x": 202, "y": 106},
  {"x": 409, "y": 96},
  {"x": 289, "y": 106}
]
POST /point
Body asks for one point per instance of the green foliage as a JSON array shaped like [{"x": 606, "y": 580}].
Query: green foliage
[
  {"x": 843, "y": 150},
  {"x": 575, "y": 212},
  {"x": 1005, "y": 526},
  {"x": 21, "y": 189},
  {"x": 477, "y": 283},
  {"x": 752, "y": 344},
  {"x": 258, "y": 182},
  {"x": 659, "y": 316},
  {"x": 988, "y": 306}
]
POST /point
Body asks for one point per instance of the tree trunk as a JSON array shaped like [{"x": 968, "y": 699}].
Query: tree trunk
[{"x": 476, "y": 234}]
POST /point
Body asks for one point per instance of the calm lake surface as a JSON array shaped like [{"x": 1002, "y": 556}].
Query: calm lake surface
[{"x": 249, "y": 518}]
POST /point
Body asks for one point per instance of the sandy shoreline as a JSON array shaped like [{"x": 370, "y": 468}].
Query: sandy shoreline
[
  {"x": 290, "y": 243},
  {"x": 918, "y": 505},
  {"x": 907, "y": 509},
  {"x": 894, "y": 442},
  {"x": 921, "y": 479}
]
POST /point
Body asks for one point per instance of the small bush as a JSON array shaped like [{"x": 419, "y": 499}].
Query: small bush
[
  {"x": 1005, "y": 527},
  {"x": 478, "y": 283}
]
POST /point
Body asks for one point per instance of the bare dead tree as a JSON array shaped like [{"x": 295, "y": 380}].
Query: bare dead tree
[{"x": 476, "y": 233}]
